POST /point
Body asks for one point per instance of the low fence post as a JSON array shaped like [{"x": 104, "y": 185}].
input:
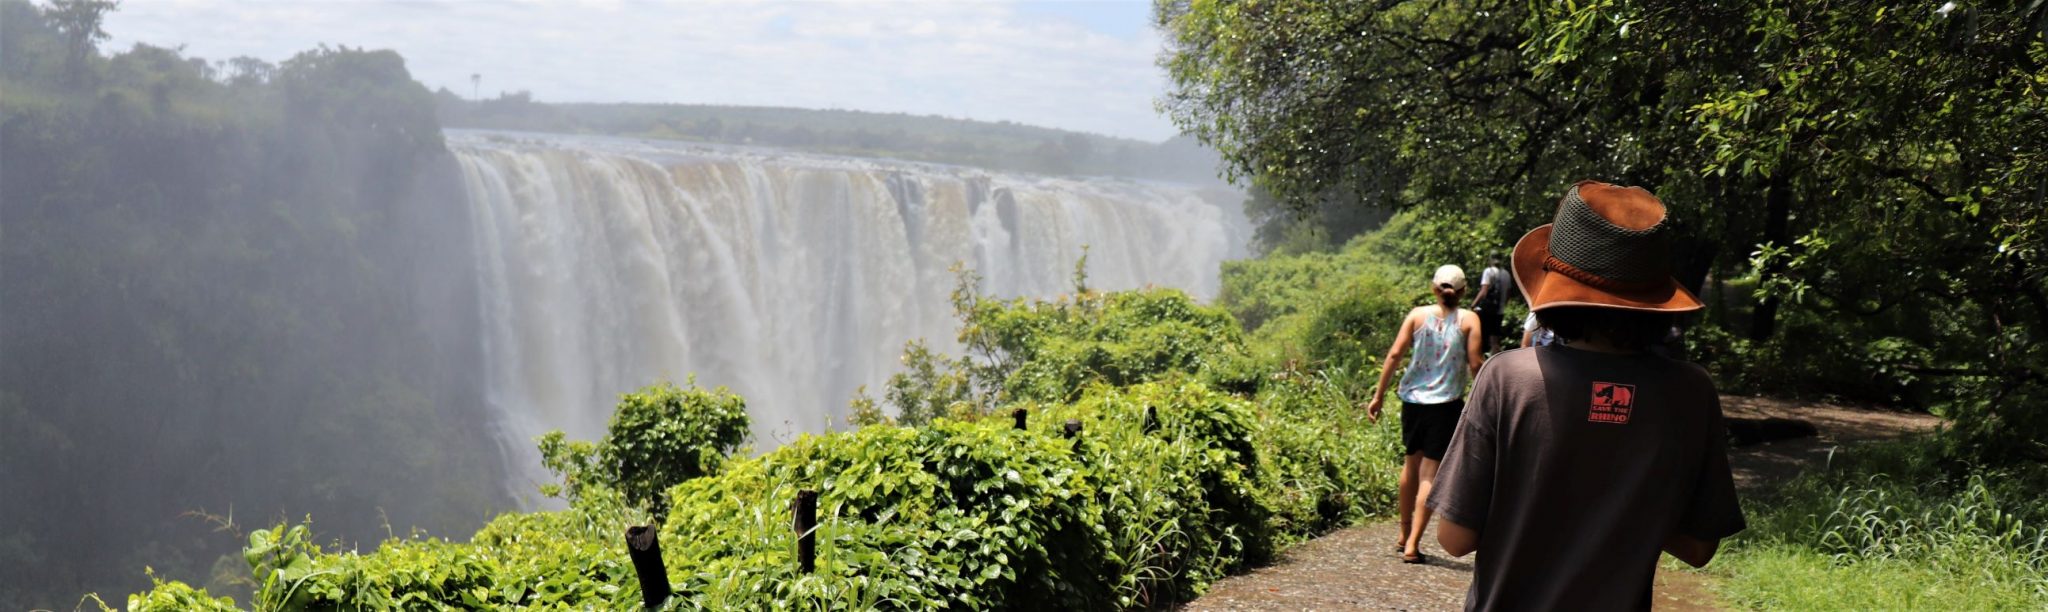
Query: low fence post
[
  {"x": 643, "y": 545},
  {"x": 807, "y": 530}
]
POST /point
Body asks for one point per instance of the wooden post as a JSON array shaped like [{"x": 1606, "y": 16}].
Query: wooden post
[
  {"x": 643, "y": 545},
  {"x": 807, "y": 530},
  {"x": 1019, "y": 415}
]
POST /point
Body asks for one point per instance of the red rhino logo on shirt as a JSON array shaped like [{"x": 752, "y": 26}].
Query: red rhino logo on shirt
[{"x": 1612, "y": 403}]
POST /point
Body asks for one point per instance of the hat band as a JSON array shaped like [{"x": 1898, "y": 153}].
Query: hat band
[{"x": 1552, "y": 263}]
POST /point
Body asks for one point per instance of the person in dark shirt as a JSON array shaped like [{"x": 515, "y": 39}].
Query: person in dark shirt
[{"x": 1574, "y": 464}]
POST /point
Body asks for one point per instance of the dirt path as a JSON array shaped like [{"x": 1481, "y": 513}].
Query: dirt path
[{"x": 1357, "y": 568}]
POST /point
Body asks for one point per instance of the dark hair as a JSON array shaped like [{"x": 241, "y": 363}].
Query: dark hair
[{"x": 1631, "y": 329}]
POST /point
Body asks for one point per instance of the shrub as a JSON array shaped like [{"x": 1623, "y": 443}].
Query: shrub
[
  {"x": 1050, "y": 351},
  {"x": 1171, "y": 485},
  {"x": 539, "y": 560},
  {"x": 664, "y": 435},
  {"x": 1141, "y": 511},
  {"x": 659, "y": 436},
  {"x": 1323, "y": 310},
  {"x": 1324, "y": 464},
  {"x": 174, "y": 597}
]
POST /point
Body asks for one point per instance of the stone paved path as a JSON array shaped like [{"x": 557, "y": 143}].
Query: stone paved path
[{"x": 1357, "y": 568}]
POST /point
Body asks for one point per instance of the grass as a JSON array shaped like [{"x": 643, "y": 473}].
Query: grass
[
  {"x": 1790, "y": 577},
  {"x": 1892, "y": 526}
]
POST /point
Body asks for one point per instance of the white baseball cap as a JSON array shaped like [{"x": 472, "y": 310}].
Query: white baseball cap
[{"x": 1449, "y": 275}]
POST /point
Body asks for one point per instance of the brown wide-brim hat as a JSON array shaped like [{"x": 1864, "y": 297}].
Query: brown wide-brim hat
[{"x": 1608, "y": 247}]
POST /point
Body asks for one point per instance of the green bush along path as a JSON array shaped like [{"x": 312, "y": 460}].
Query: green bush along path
[{"x": 1197, "y": 458}]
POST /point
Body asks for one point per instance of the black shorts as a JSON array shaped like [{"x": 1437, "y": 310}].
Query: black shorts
[
  {"x": 1427, "y": 428},
  {"x": 1489, "y": 323}
]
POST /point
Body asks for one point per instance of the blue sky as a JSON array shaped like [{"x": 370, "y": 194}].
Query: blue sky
[{"x": 1073, "y": 64}]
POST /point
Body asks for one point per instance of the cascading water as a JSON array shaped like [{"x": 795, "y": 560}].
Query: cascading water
[{"x": 609, "y": 264}]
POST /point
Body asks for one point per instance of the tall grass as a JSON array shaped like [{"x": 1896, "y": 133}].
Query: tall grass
[{"x": 1890, "y": 526}]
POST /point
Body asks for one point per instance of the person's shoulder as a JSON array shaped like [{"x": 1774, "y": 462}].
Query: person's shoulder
[
  {"x": 1694, "y": 373},
  {"x": 1520, "y": 356},
  {"x": 1688, "y": 375},
  {"x": 1512, "y": 362},
  {"x": 1469, "y": 317}
]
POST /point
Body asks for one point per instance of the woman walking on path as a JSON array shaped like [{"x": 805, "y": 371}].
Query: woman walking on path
[{"x": 1446, "y": 341}]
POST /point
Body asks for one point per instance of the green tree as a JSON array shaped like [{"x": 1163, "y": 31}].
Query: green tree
[
  {"x": 1873, "y": 171},
  {"x": 203, "y": 282},
  {"x": 79, "y": 22},
  {"x": 659, "y": 437}
]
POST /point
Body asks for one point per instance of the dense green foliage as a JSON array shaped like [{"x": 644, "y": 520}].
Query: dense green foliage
[
  {"x": 658, "y": 438},
  {"x": 1890, "y": 526},
  {"x": 1858, "y": 191},
  {"x": 1340, "y": 309},
  {"x": 1857, "y": 188},
  {"x": 234, "y": 294},
  {"x": 1050, "y": 351},
  {"x": 1171, "y": 484}
]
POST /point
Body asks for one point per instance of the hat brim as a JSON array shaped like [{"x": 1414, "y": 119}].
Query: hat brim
[{"x": 1544, "y": 289}]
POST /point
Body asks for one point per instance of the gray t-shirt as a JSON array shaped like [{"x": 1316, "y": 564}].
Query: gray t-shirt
[
  {"x": 1503, "y": 285},
  {"x": 1575, "y": 466}
]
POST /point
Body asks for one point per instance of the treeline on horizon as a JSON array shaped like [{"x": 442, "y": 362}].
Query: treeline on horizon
[
  {"x": 1000, "y": 145},
  {"x": 238, "y": 290}
]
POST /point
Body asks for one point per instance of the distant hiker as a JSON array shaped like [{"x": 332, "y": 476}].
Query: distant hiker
[
  {"x": 1446, "y": 341},
  {"x": 1577, "y": 462},
  {"x": 1495, "y": 285},
  {"x": 1534, "y": 333}
]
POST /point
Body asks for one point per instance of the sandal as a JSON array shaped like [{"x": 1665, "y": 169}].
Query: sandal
[{"x": 1417, "y": 558}]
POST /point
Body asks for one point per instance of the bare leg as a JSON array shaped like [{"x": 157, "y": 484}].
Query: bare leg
[
  {"x": 1404, "y": 502},
  {"x": 1414, "y": 530}
]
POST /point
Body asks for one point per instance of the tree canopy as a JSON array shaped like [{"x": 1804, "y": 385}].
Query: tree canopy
[{"x": 1867, "y": 176}]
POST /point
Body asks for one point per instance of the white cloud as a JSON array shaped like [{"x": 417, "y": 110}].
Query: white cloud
[{"x": 980, "y": 59}]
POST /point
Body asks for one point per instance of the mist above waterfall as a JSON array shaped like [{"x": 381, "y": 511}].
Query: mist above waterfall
[{"x": 606, "y": 264}]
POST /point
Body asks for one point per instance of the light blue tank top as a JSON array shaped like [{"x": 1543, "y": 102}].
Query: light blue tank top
[{"x": 1437, "y": 366}]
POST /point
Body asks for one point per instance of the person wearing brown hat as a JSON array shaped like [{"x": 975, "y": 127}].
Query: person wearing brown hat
[{"x": 1576, "y": 463}]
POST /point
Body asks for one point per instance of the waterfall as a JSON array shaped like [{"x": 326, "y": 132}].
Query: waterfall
[{"x": 608, "y": 264}]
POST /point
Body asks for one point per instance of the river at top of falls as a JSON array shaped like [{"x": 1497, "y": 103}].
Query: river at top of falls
[{"x": 608, "y": 264}]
